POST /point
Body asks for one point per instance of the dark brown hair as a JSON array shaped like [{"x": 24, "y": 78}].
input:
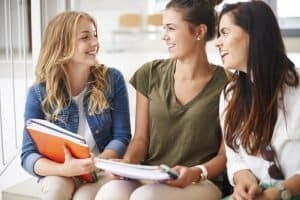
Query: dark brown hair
[
  {"x": 251, "y": 113},
  {"x": 198, "y": 12}
]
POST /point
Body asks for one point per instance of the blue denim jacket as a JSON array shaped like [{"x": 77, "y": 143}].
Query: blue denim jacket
[{"x": 111, "y": 128}]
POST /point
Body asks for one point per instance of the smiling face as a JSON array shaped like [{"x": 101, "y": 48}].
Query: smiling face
[
  {"x": 179, "y": 38},
  {"x": 233, "y": 44},
  {"x": 86, "y": 44}
]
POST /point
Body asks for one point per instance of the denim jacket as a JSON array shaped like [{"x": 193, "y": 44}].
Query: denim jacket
[{"x": 110, "y": 129}]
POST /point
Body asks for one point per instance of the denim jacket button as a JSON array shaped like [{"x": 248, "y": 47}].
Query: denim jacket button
[{"x": 97, "y": 131}]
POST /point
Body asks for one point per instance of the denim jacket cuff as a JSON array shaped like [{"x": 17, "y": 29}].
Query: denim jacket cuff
[
  {"x": 29, "y": 163},
  {"x": 117, "y": 146}
]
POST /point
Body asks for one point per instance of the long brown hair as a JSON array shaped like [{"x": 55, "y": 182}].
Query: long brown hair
[
  {"x": 57, "y": 49},
  {"x": 251, "y": 113}
]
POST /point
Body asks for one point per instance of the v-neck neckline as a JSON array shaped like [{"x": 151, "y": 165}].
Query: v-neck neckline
[{"x": 197, "y": 96}]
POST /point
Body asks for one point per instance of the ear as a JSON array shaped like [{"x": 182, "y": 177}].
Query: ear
[{"x": 201, "y": 31}]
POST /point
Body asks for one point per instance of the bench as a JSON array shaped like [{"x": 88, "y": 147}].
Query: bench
[{"x": 26, "y": 190}]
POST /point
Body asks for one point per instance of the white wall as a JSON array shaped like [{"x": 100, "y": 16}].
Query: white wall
[
  {"x": 104, "y": 5},
  {"x": 107, "y": 15}
]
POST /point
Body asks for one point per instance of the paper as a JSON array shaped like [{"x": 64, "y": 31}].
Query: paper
[
  {"x": 140, "y": 172},
  {"x": 47, "y": 127}
]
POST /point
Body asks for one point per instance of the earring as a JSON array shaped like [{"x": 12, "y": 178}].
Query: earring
[{"x": 198, "y": 38}]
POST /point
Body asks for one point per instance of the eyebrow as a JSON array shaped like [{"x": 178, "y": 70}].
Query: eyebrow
[
  {"x": 86, "y": 31},
  {"x": 223, "y": 29},
  {"x": 170, "y": 24}
]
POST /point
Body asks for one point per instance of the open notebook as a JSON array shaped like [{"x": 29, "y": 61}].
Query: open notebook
[{"x": 133, "y": 171}]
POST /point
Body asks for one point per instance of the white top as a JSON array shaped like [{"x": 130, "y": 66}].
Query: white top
[
  {"x": 83, "y": 127},
  {"x": 285, "y": 140}
]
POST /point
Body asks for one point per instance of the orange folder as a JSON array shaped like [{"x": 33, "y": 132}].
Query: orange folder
[{"x": 50, "y": 140}]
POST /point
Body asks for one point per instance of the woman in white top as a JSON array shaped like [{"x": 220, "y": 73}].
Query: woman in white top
[{"x": 260, "y": 107}]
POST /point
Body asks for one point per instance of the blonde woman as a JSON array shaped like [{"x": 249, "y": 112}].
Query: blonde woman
[{"x": 75, "y": 92}]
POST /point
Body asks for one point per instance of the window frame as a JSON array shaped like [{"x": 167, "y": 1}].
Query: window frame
[{"x": 286, "y": 30}]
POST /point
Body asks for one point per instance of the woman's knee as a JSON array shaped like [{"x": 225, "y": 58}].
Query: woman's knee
[
  {"x": 117, "y": 189},
  {"x": 205, "y": 190},
  {"x": 86, "y": 191},
  {"x": 57, "y": 187},
  {"x": 154, "y": 191},
  {"x": 210, "y": 190}
]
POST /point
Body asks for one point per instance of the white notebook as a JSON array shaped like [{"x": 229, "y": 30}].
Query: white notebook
[{"x": 133, "y": 171}]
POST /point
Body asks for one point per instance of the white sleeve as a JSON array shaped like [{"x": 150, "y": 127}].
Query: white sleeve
[
  {"x": 234, "y": 160},
  {"x": 234, "y": 163}
]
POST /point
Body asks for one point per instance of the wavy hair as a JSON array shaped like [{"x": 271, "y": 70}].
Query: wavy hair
[
  {"x": 57, "y": 49},
  {"x": 251, "y": 113}
]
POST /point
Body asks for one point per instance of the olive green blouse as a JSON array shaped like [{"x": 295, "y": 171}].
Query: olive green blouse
[{"x": 179, "y": 134}]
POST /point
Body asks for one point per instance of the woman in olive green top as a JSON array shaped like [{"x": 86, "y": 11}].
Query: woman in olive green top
[
  {"x": 177, "y": 112},
  {"x": 180, "y": 133}
]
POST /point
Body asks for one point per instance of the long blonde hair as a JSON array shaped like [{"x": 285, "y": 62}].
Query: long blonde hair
[{"x": 57, "y": 49}]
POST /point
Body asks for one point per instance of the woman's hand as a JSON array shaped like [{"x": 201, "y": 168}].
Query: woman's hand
[
  {"x": 269, "y": 194},
  {"x": 75, "y": 167},
  {"x": 187, "y": 175},
  {"x": 246, "y": 191},
  {"x": 246, "y": 186}
]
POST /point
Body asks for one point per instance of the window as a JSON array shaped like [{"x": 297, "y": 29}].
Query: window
[
  {"x": 288, "y": 15},
  {"x": 15, "y": 65}
]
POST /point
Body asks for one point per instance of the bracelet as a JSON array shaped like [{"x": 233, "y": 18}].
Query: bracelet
[{"x": 203, "y": 175}]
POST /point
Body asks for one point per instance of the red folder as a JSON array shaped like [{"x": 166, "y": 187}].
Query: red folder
[{"x": 50, "y": 140}]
